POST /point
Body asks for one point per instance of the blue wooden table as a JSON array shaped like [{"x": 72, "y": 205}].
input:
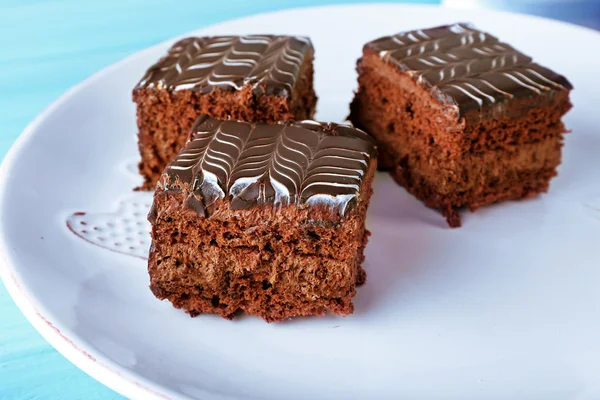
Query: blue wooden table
[{"x": 45, "y": 48}]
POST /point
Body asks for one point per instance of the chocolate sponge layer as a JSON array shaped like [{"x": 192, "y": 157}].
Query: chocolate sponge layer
[{"x": 268, "y": 262}]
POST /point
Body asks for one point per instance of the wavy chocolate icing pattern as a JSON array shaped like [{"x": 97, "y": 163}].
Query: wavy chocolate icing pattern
[
  {"x": 279, "y": 65},
  {"x": 269, "y": 64},
  {"x": 467, "y": 67},
  {"x": 287, "y": 163}
]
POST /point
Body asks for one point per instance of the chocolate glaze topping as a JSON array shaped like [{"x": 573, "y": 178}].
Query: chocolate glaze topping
[
  {"x": 269, "y": 64},
  {"x": 299, "y": 163},
  {"x": 465, "y": 67}
]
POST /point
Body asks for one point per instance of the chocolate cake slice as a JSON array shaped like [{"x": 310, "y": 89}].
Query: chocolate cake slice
[
  {"x": 251, "y": 78},
  {"x": 268, "y": 219},
  {"x": 461, "y": 119}
]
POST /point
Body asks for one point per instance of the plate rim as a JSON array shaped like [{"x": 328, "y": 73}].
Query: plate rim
[{"x": 97, "y": 366}]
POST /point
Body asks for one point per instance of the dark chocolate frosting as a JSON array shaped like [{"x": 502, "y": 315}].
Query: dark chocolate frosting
[
  {"x": 466, "y": 67},
  {"x": 269, "y": 64},
  {"x": 301, "y": 163}
]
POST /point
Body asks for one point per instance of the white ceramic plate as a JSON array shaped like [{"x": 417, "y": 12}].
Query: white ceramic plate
[{"x": 506, "y": 307}]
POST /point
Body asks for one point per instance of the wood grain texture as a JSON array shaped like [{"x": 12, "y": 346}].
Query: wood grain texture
[{"x": 47, "y": 47}]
